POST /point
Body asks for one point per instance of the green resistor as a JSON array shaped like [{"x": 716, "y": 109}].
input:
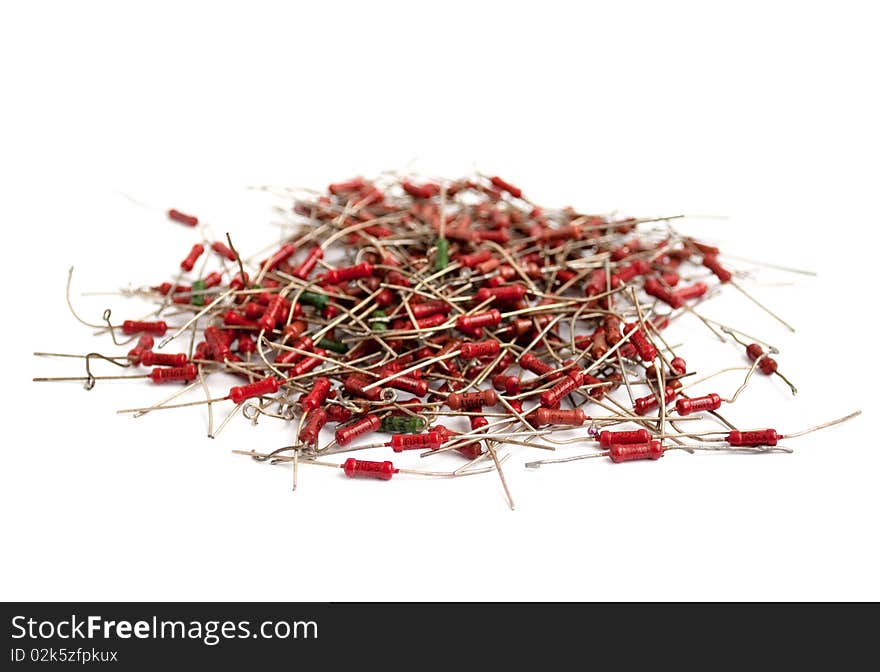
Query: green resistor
[
  {"x": 441, "y": 261},
  {"x": 335, "y": 346},
  {"x": 314, "y": 299},
  {"x": 198, "y": 299},
  {"x": 402, "y": 424},
  {"x": 381, "y": 325}
]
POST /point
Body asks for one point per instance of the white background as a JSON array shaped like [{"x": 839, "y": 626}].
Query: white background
[{"x": 764, "y": 112}]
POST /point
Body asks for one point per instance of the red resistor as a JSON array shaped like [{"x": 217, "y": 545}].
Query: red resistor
[
  {"x": 430, "y": 322},
  {"x": 448, "y": 365},
  {"x": 259, "y": 388},
  {"x": 711, "y": 262},
  {"x": 130, "y": 327},
  {"x": 621, "y": 253},
  {"x": 190, "y": 260},
  {"x": 397, "y": 279},
  {"x": 547, "y": 416},
  {"x": 647, "y": 352},
  {"x": 166, "y": 287},
  {"x": 491, "y": 318},
  {"x": 368, "y": 423},
  {"x": 349, "y": 186},
  {"x": 768, "y": 365},
  {"x": 272, "y": 313},
  {"x": 693, "y": 291},
  {"x": 368, "y": 469},
  {"x": 478, "y": 421},
  {"x": 754, "y": 351},
  {"x": 284, "y": 253},
  {"x": 238, "y": 282},
  {"x": 294, "y": 329},
  {"x": 654, "y": 288},
  {"x": 338, "y": 413},
  {"x": 384, "y": 298},
  {"x": 599, "y": 344},
  {"x": 607, "y": 438},
  {"x": 471, "y": 401},
  {"x": 510, "y": 385},
  {"x": 635, "y": 269},
  {"x": 678, "y": 366},
  {"x": 646, "y": 404},
  {"x": 223, "y": 250},
  {"x": 305, "y": 268},
  {"x": 709, "y": 402},
  {"x": 539, "y": 367},
  {"x": 754, "y": 437},
  {"x": 670, "y": 278},
  {"x": 595, "y": 393},
  {"x": 569, "y": 383},
  {"x": 213, "y": 279},
  {"x": 144, "y": 344},
  {"x": 369, "y": 197},
  {"x": 337, "y": 276},
  {"x": 627, "y": 452},
  {"x": 355, "y": 384},
  {"x": 472, "y": 260},
  {"x": 611, "y": 327},
  {"x": 423, "y": 191},
  {"x": 469, "y": 450},
  {"x": 311, "y": 429},
  {"x": 178, "y": 216},
  {"x": 489, "y": 348},
  {"x": 234, "y": 319},
  {"x": 429, "y": 308},
  {"x": 660, "y": 322},
  {"x": 704, "y": 248},
  {"x": 217, "y": 343},
  {"x": 599, "y": 285},
  {"x": 426, "y": 441},
  {"x": 500, "y": 236},
  {"x": 246, "y": 345},
  {"x": 513, "y": 292},
  {"x": 305, "y": 365},
  {"x": 317, "y": 395},
  {"x": 516, "y": 405},
  {"x": 488, "y": 266},
  {"x": 185, "y": 373},
  {"x": 410, "y": 384},
  {"x": 291, "y": 356},
  {"x": 150, "y": 358},
  {"x": 498, "y": 183}
]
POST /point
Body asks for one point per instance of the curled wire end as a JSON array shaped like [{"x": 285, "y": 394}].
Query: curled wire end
[
  {"x": 275, "y": 458},
  {"x": 106, "y": 318},
  {"x": 90, "y": 379},
  {"x": 250, "y": 411}
]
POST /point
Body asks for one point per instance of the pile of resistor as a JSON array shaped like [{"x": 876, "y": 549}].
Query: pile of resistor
[{"x": 447, "y": 316}]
